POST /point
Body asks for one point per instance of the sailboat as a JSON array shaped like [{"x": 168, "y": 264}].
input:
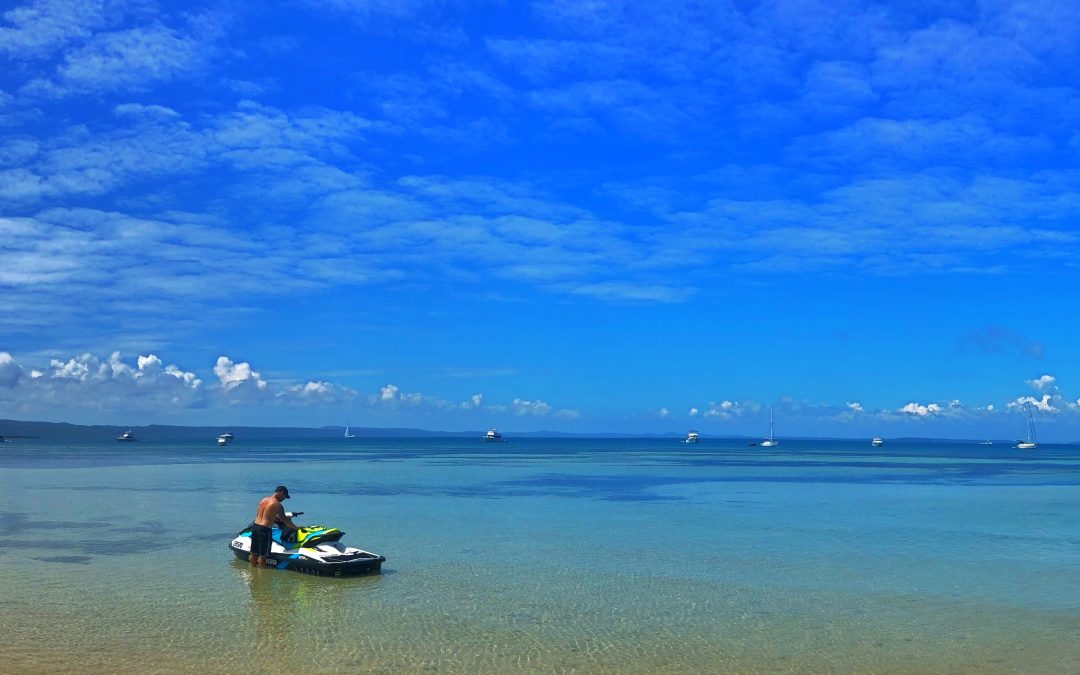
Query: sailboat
[
  {"x": 348, "y": 434},
  {"x": 1032, "y": 441},
  {"x": 770, "y": 441}
]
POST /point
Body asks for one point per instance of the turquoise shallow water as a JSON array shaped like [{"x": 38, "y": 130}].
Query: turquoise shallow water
[{"x": 547, "y": 555}]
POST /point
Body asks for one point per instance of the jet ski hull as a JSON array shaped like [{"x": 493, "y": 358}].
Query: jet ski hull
[{"x": 318, "y": 557}]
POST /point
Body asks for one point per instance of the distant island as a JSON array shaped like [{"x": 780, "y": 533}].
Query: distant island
[{"x": 13, "y": 429}]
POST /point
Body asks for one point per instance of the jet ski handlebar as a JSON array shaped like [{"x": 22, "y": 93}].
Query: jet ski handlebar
[{"x": 293, "y": 514}]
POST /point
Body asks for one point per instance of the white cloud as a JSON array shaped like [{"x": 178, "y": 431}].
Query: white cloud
[
  {"x": 149, "y": 364},
  {"x": 86, "y": 382},
  {"x": 37, "y": 29},
  {"x": 855, "y": 407},
  {"x": 315, "y": 392},
  {"x": 919, "y": 410},
  {"x": 1042, "y": 383},
  {"x": 76, "y": 368},
  {"x": 664, "y": 412},
  {"x": 313, "y": 388},
  {"x": 525, "y": 407},
  {"x": 475, "y": 402},
  {"x": 729, "y": 409},
  {"x": 10, "y": 372},
  {"x": 1045, "y": 404},
  {"x": 391, "y": 394},
  {"x": 694, "y": 412},
  {"x": 187, "y": 378},
  {"x": 233, "y": 375}
]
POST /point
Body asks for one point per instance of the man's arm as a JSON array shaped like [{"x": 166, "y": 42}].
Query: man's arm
[{"x": 285, "y": 520}]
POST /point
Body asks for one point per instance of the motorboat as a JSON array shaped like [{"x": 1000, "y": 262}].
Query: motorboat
[
  {"x": 224, "y": 439},
  {"x": 691, "y": 437},
  {"x": 877, "y": 442},
  {"x": 126, "y": 436},
  {"x": 493, "y": 436},
  {"x": 770, "y": 442},
  {"x": 313, "y": 549}
]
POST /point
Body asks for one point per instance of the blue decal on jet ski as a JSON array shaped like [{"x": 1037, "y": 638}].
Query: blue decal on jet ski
[{"x": 285, "y": 563}]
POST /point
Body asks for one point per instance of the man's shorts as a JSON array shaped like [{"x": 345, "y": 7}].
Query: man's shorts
[{"x": 260, "y": 541}]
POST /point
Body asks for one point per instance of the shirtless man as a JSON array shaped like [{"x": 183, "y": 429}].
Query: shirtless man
[{"x": 270, "y": 510}]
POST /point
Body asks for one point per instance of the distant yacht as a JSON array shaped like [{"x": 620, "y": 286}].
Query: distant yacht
[
  {"x": 1031, "y": 441},
  {"x": 493, "y": 436},
  {"x": 770, "y": 441},
  {"x": 126, "y": 436},
  {"x": 877, "y": 442},
  {"x": 986, "y": 443},
  {"x": 691, "y": 437},
  {"x": 224, "y": 439},
  {"x": 349, "y": 434}
]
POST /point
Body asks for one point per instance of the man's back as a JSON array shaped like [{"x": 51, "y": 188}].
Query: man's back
[{"x": 268, "y": 512}]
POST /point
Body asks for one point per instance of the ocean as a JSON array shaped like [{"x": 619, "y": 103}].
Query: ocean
[{"x": 546, "y": 555}]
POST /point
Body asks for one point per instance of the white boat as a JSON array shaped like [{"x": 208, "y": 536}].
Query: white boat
[
  {"x": 349, "y": 434},
  {"x": 691, "y": 437},
  {"x": 986, "y": 443},
  {"x": 224, "y": 439},
  {"x": 770, "y": 441},
  {"x": 493, "y": 436},
  {"x": 126, "y": 436},
  {"x": 877, "y": 442},
  {"x": 1031, "y": 441}
]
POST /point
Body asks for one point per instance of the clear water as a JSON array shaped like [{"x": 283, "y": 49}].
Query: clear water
[{"x": 548, "y": 556}]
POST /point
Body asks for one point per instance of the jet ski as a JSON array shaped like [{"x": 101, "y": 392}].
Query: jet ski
[{"x": 315, "y": 549}]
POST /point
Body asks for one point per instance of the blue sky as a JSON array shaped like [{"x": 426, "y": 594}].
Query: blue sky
[{"x": 578, "y": 216}]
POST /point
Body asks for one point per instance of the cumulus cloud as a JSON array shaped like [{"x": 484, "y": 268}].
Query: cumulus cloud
[
  {"x": 919, "y": 410},
  {"x": 664, "y": 412},
  {"x": 76, "y": 368},
  {"x": 855, "y": 407},
  {"x": 475, "y": 402},
  {"x": 111, "y": 384},
  {"x": 391, "y": 394},
  {"x": 521, "y": 406},
  {"x": 10, "y": 372},
  {"x": 234, "y": 375},
  {"x": 730, "y": 409},
  {"x": 693, "y": 412},
  {"x": 315, "y": 392},
  {"x": 312, "y": 388},
  {"x": 1045, "y": 404},
  {"x": 1042, "y": 383}
]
